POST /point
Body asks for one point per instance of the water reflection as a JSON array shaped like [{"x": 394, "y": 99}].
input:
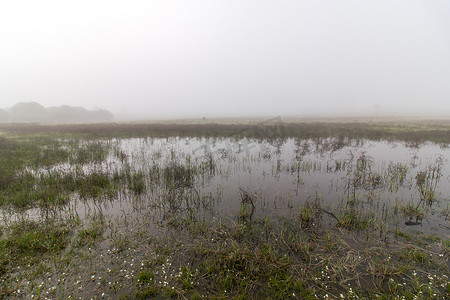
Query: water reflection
[{"x": 243, "y": 178}]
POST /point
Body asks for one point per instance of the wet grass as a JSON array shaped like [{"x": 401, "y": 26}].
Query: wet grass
[
  {"x": 26, "y": 243},
  {"x": 258, "y": 259},
  {"x": 81, "y": 217},
  {"x": 261, "y": 260}
]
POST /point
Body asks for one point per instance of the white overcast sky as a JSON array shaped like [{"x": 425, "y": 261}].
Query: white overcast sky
[{"x": 227, "y": 58}]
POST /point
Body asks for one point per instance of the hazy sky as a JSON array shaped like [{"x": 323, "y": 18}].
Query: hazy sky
[{"x": 227, "y": 58}]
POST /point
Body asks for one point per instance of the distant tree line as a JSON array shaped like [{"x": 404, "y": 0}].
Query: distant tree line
[{"x": 26, "y": 112}]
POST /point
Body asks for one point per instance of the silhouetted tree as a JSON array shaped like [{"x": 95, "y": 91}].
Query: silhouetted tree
[
  {"x": 28, "y": 112},
  {"x": 34, "y": 112}
]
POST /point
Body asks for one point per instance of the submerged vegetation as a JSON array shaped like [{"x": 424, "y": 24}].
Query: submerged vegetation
[{"x": 225, "y": 211}]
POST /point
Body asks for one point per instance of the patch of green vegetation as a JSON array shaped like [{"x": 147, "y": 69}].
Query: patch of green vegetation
[
  {"x": 27, "y": 241},
  {"x": 145, "y": 277},
  {"x": 18, "y": 152},
  {"x": 178, "y": 176},
  {"x": 96, "y": 185},
  {"x": 236, "y": 264},
  {"x": 306, "y": 216},
  {"x": 146, "y": 292},
  {"x": 415, "y": 212},
  {"x": 137, "y": 184},
  {"x": 415, "y": 254},
  {"x": 433, "y": 238},
  {"x": 446, "y": 244},
  {"x": 146, "y": 285},
  {"x": 89, "y": 234},
  {"x": 89, "y": 152},
  {"x": 403, "y": 234},
  {"x": 27, "y": 177},
  {"x": 354, "y": 219},
  {"x": 250, "y": 271}
]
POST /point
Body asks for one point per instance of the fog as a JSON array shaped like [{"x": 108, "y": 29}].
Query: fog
[{"x": 234, "y": 58}]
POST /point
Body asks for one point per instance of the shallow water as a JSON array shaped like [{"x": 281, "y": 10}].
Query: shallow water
[
  {"x": 283, "y": 175},
  {"x": 280, "y": 177}
]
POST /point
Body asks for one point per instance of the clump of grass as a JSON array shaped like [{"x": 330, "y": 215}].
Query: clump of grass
[
  {"x": 354, "y": 219},
  {"x": 247, "y": 204},
  {"x": 446, "y": 244},
  {"x": 51, "y": 153},
  {"x": 146, "y": 292},
  {"x": 176, "y": 175},
  {"x": 145, "y": 277},
  {"x": 413, "y": 211},
  {"x": 396, "y": 175},
  {"x": 137, "y": 184},
  {"x": 96, "y": 185},
  {"x": 402, "y": 234},
  {"x": 414, "y": 254},
  {"x": 433, "y": 238},
  {"x": 427, "y": 180},
  {"x": 89, "y": 234},
  {"x": 146, "y": 285},
  {"x": 90, "y": 152},
  {"x": 306, "y": 216}
]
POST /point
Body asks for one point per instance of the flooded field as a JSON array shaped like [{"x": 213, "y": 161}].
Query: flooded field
[
  {"x": 404, "y": 184},
  {"x": 194, "y": 217}
]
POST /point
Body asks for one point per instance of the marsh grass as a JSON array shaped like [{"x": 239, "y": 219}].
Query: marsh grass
[
  {"x": 412, "y": 132},
  {"x": 258, "y": 259},
  {"x": 427, "y": 180},
  {"x": 355, "y": 219},
  {"x": 168, "y": 239}
]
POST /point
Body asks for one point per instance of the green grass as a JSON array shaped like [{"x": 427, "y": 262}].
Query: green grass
[
  {"x": 90, "y": 233},
  {"x": 261, "y": 260},
  {"x": 27, "y": 242},
  {"x": 355, "y": 219}
]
